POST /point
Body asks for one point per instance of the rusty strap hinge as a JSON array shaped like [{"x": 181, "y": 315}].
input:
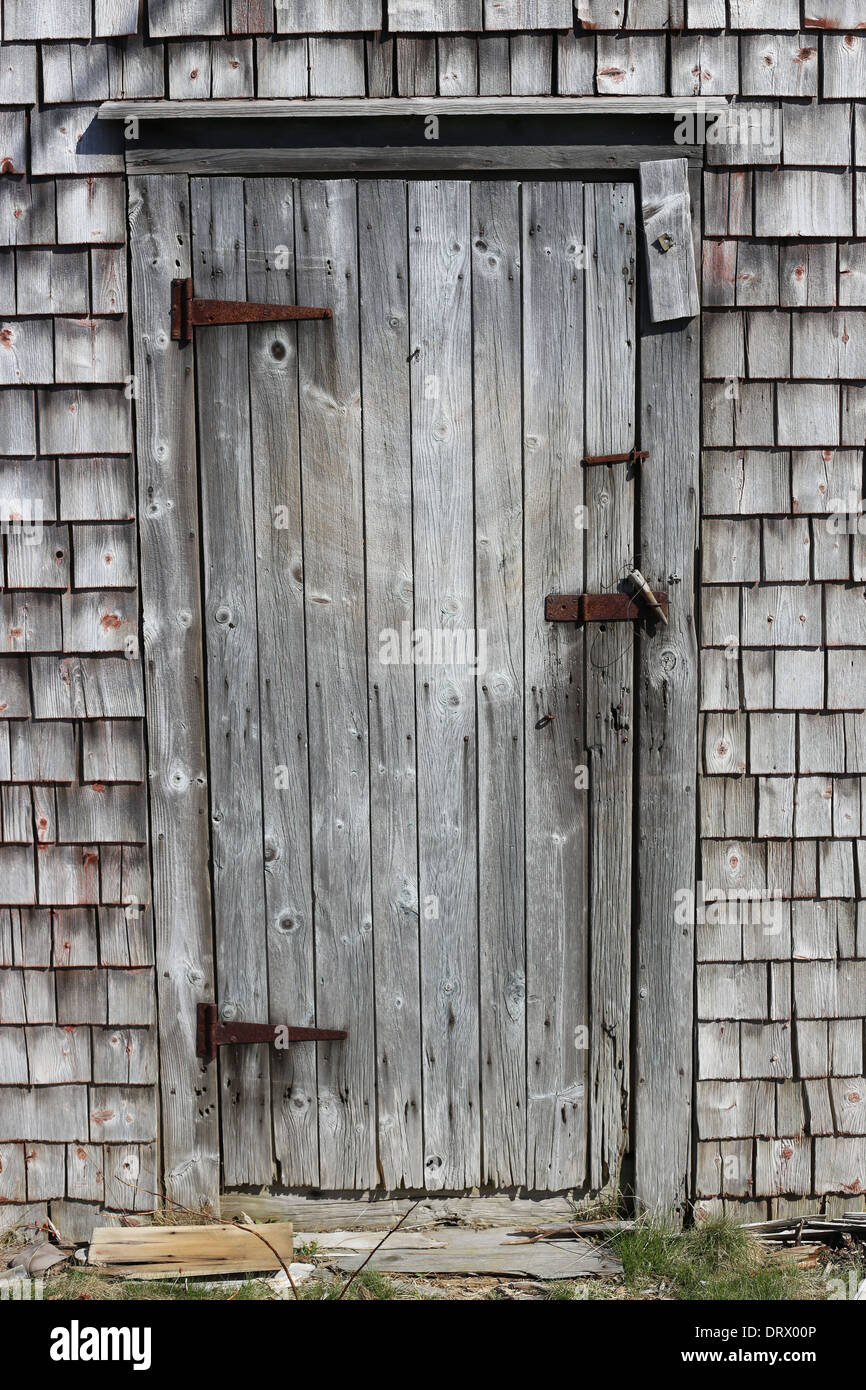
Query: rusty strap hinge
[
  {"x": 601, "y": 608},
  {"x": 188, "y": 313},
  {"x": 211, "y": 1033}
]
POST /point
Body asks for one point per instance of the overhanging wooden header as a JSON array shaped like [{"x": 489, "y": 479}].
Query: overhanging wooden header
[{"x": 354, "y": 107}]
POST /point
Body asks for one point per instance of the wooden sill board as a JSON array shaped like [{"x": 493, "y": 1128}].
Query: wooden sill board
[{"x": 159, "y": 1252}]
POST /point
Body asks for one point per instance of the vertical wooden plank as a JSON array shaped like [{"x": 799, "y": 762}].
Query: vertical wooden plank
[
  {"x": 496, "y": 315},
  {"x": 173, "y": 670},
  {"x": 670, "y": 254},
  {"x": 610, "y": 429},
  {"x": 331, "y": 462},
  {"x": 232, "y": 668},
  {"x": 440, "y": 308},
  {"x": 667, "y": 761},
  {"x": 556, "y": 816},
  {"x": 385, "y": 350},
  {"x": 273, "y": 357}
]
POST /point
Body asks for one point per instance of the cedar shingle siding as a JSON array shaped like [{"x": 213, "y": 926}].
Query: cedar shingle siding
[{"x": 780, "y": 1098}]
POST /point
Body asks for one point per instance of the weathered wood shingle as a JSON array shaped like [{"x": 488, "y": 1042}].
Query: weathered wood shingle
[
  {"x": 69, "y": 139},
  {"x": 45, "y": 19}
]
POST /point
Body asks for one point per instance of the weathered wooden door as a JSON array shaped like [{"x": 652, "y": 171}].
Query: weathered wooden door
[{"x": 420, "y": 790}]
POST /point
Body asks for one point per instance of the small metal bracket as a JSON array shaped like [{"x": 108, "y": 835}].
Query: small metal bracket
[
  {"x": 188, "y": 313},
  {"x": 600, "y": 608},
  {"x": 211, "y": 1033}
]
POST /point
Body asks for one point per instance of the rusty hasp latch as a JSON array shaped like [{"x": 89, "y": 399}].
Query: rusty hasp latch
[
  {"x": 188, "y": 313},
  {"x": 211, "y": 1033},
  {"x": 633, "y": 456},
  {"x": 605, "y": 608}
]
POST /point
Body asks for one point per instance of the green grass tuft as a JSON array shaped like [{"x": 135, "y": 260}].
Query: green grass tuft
[{"x": 714, "y": 1260}]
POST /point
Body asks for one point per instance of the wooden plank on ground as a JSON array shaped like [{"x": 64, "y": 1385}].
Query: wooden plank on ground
[
  {"x": 326, "y": 234},
  {"x": 670, "y": 252},
  {"x": 610, "y": 553},
  {"x": 273, "y": 358},
  {"x": 385, "y": 351},
  {"x": 667, "y": 762},
  {"x": 491, "y": 1252},
  {"x": 496, "y": 312},
  {"x": 231, "y": 645},
  {"x": 440, "y": 314},
  {"x": 556, "y": 813},
  {"x": 173, "y": 667},
  {"x": 157, "y": 1252}
]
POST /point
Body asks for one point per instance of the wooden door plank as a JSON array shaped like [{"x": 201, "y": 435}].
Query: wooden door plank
[
  {"x": 496, "y": 314},
  {"x": 610, "y": 429},
  {"x": 667, "y": 762},
  {"x": 232, "y": 669},
  {"x": 173, "y": 670},
  {"x": 273, "y": 358},
  {"x": 331, "y": 462},
  {"x": 385, "y": 350},
  {"x": 440, "y": 309},
  {"x": 556, "y": 818}
]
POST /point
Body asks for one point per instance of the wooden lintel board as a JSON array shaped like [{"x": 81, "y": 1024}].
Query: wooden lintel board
[
  {"x": 157, "y": 1252},
  {"x": 354, "y": 107}
]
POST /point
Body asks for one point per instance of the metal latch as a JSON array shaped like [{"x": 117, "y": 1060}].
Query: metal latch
[
  {"x": 188, "y": 313},
  {"x": 633, "y": 456},
  {"x": 606, "y": 608},
  {"x": 211, "y": 1033}
]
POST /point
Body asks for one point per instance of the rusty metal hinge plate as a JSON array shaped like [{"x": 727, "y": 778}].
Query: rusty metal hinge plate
[
  {"x": 599, "y": 608},
  {"x": 188, "y": 313},
  {"x": 211, "y": 1032}
]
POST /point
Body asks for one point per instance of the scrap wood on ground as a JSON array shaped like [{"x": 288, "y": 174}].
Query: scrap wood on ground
[
  {"x": 154, "y": 1252},
  {"x": 799, "y": 1257}
]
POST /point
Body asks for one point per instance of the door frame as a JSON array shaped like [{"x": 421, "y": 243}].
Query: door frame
[{"x": 665, "y": 802}]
